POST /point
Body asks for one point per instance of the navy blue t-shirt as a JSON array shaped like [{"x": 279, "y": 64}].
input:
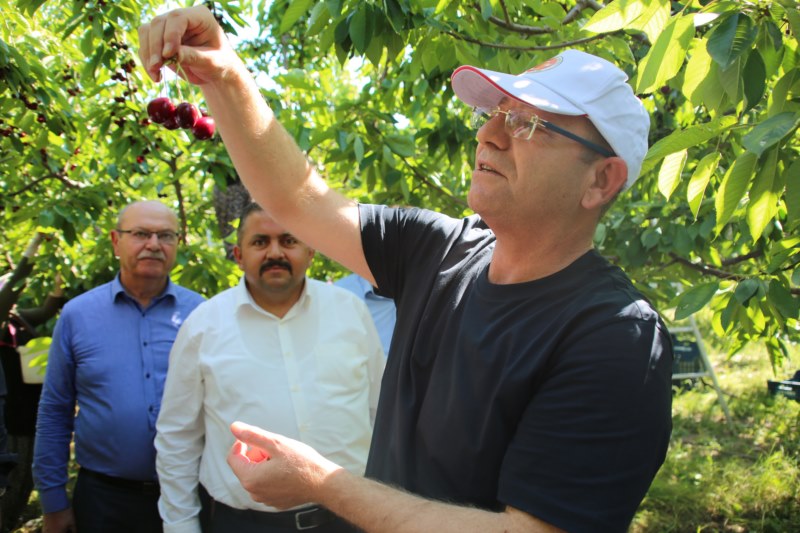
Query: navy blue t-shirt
[{"x": 551, "y": 396}]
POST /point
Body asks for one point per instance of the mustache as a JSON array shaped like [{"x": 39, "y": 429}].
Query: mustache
[{"x": 271, "y": 263}]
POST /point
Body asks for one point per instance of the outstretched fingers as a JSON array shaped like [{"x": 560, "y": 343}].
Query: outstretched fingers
[{"x": 254, "y": 437}]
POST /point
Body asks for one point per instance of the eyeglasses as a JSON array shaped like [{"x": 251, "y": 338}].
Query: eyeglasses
[
  {"x": 143, "y": 235},
  {"x": 521, "y": 125}
]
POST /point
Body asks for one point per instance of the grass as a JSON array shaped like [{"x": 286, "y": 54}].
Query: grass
[{"x": 738, "y": 476}]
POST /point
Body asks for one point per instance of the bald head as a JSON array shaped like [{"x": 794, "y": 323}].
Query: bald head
[{"x": 146, "y": 208}]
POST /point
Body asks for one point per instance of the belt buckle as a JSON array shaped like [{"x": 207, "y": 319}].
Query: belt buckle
[{"x": 297, "y": 519}]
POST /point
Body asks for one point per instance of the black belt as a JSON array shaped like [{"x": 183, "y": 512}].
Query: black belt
[
  {"x": 144, "y": 487},
  {"x": 301, "y": 519}
]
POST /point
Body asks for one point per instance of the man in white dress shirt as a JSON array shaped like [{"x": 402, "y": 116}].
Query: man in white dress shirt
[{"x": 279, "y": 350}]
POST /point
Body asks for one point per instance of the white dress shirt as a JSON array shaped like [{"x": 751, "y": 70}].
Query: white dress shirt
[{"x": 313, "y": 375}]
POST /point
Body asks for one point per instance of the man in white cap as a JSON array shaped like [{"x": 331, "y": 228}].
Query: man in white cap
[{"x": 529, "y": 383}]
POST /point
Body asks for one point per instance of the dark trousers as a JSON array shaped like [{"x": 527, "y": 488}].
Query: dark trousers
[
  {"x": 105, "y": 505},
  {"x": 216, "y": 517}
]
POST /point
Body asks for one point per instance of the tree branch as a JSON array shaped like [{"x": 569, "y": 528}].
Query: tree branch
[
  {"x": 523, "y": 29},
  {"x": 173, "y": 165},
  {"x": 564, "y": 44},
  {"x": 706, "y": 270},
  {"x": 741, "y": 258},
  {"x": 721, "y": 274},
  {"x": 579, "y": 7},
  {"x": 27, "y": 187}
]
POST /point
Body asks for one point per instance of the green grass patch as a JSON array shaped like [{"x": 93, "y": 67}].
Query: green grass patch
[{"x": 740, "y": 475}]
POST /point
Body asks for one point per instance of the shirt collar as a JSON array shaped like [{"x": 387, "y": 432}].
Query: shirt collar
[
  {"x": 117, "y": 289},
  {"x": 243, "y": 298}
]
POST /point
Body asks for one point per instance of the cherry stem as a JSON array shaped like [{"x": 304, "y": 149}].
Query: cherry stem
[{"x": 181, "y": 73}]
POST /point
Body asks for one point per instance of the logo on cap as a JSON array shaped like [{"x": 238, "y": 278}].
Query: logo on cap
[{"x": 547, "y": 65}]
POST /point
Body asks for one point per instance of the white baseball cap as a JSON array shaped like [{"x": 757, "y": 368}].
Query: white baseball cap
[{"x": 572, "y": 83}]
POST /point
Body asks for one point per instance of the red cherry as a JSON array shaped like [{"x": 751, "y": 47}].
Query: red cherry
[
  {"x": 204, "y": 128},
  {"x": 171, "y": 123},
  {"x": 160, "y": 110},
  {"x": 187, "y": 115}
]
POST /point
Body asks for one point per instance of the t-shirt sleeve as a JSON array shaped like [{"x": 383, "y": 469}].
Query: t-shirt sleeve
[{"x": 400, "y": 243}]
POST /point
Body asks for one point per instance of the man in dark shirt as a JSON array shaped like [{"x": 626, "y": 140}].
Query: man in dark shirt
[{"x": 529, "y": 382}]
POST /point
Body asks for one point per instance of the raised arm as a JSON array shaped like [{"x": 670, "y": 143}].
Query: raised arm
[{"x": 271, "y": 165}]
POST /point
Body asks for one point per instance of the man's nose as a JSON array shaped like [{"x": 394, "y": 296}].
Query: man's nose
[
  {"x": 494, "y": 132},
  {"x": 274, "y": 250}
]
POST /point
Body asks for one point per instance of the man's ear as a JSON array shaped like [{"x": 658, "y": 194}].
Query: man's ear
[
  {"x": 610, "y": 176},
  {"x": 115, "y": 241},
  {"x": 237, "y": 255}
]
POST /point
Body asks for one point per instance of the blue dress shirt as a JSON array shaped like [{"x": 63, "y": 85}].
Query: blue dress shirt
[
  {"x": 109, "y": 357},
  {"x": 381, "y": 308}
]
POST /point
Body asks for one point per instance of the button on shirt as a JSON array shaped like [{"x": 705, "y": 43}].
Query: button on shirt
[
  {"x": 313, "y": 375},
  {"x": 109, "y": 357}
]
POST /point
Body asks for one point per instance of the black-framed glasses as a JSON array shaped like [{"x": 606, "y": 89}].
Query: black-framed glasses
[
  {"x": 521, "y": 124},
  {"x": 143, "y": 235}
]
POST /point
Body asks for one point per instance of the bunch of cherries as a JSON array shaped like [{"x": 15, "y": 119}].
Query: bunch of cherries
[{"x": 163, "y": 110}]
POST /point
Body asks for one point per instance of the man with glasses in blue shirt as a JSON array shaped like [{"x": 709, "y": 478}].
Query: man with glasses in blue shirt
[
  {"x": 109, "y": 358},
  {"x": 528, "y": 387}
]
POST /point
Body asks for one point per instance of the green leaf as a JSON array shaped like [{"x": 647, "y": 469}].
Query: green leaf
[
  {"x": 695, "y": 299},
  {"x": 764, "y": 195},
  {"x": 296, "y": 79},
  {"x": 669, "y": 176},
  {"x": 652, "y": 20},
  {"x": 699, "y": 180},
  {"x": 650, "y": 238},
  {"x": 769, "y": 132},
  {"x": 665, "y": 57},
  {"x": 779, "y": 98},
  {"x": 733, "y": 37},
  {"x": 682, "y": 139},
  {"x": 358, "y": 29},
  {"x": 783, "y": 300},
  {"x": 615, "y": 16},
  {"x": 792, "y": 197},
  {"x": 734, "y": 185},
  {"x": 746, "y": 289},
  {"x": 486, "y": 9},
  {"x": 87, "y": 43},
  {"x": 374, "y": 51},
  {"x": 318, "y": 19},
  {"x": 402, "y": 145},
  {"x": 768, "y": 43},
  {"x": 793, "y": 14},
  {"x": 731, "y": 80},
  {"x": 700, "y": 78},
  {"x": 781, "y": 252},
  {"x": 358, "y": 148},
  {"x": 755, "y": 80},
  {"x": 296, "y": 9},
  {"x": 334, "y": 7},
  {"x": 395, "y": 15}
]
